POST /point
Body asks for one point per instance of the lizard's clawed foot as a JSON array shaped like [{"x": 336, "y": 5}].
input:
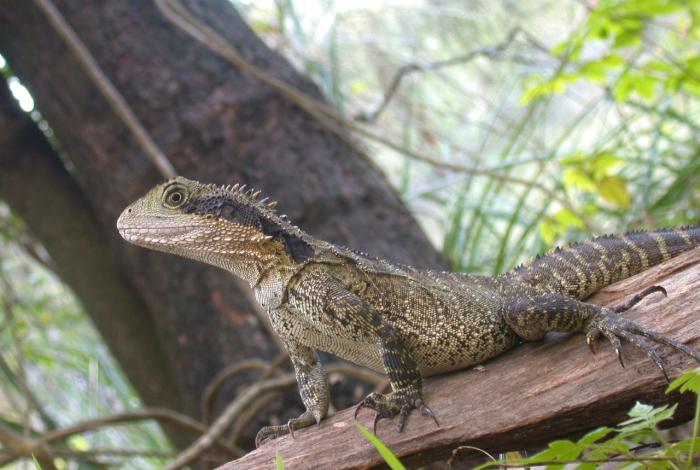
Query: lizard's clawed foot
[
  {"x": 269, "y": 433},
  {"x": 399, "y": 402},
  {"x": 608, "y": 323}
]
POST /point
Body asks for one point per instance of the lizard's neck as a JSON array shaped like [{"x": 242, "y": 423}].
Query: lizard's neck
[{"x": 253, "y": 269}]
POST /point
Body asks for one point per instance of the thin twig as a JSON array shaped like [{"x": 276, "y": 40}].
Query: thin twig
[
  {"x": 249, "y": 414},
  {"x": 566, "y": 462},
  {"x": 175, "y": 12},
  {"x": 219, "y": 379},
  {"x": 160, "y": 414},
  {"x": 230, "y": 413},
  {"x": 408, "y": 69},
  {"x": 106, "y": 87},
  {"x": 107, "y": 452},
  {"x": 235, "y": 409},
  {"x": 449, "y": 463}
]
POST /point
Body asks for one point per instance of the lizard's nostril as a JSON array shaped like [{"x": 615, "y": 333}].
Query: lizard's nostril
[{"x": 129, "y": 211}]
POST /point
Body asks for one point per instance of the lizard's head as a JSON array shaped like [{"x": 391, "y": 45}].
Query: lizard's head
[{"x": 205, "y": 221}]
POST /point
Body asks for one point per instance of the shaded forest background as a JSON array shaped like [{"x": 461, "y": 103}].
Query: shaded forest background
[{"x": 501, "y": 128}]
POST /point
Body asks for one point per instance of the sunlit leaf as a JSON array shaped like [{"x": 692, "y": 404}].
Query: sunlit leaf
[
  {"x": 594, "y": 436},
  {"x": 279, "y": 463},
  {"x": 578, "y": 179},
  {"x": 614, "y": 190},
  {"x": 388, "y": 456},
  {"x": 688, "y": 381}
]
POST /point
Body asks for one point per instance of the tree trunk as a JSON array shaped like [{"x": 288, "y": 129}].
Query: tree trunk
[
  {"x": 524, "y": 399},
  {"x": 65, "y": 224},
  {"x": 216, "y": 124}
]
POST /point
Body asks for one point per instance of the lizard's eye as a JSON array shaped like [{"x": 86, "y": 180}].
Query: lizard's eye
[{"x": 174, "y": 198}]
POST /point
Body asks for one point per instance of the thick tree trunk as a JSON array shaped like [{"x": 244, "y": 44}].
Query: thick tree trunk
[
  {"x": 65, "y": 224},
  {"x": 215, "y": 124},
  {"x": 524, "y": 399}
]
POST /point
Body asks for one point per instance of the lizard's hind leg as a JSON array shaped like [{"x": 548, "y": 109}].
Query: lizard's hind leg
[{"x": 532, "y": 317}]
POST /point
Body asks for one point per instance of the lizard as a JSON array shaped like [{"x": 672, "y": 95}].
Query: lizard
[{"x": 406, "y": 322}]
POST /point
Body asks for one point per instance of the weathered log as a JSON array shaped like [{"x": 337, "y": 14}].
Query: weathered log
[{"x": 531, "y": 395}]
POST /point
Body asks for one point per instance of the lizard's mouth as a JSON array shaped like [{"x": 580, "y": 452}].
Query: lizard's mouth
[
  {"x": 156, "y": 235},
  {"x": 154, "y": 231}
]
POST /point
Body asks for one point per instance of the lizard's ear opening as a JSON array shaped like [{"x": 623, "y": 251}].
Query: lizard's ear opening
[{"x": 296, "y": 247}]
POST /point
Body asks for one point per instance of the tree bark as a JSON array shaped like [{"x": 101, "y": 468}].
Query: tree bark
[
  {"x": 531, "y": 395},
  {"x": 63, "y": 222},
  {"x": 216, "y": 124}
]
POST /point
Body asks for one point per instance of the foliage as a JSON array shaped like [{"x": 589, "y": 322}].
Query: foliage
[
  {"x": 54, "y": 368},
  {"x": 602, "y": 109},
  {"x": 634, "y": 443}
]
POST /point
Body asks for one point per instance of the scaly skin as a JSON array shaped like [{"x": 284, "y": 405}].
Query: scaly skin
[{"x": 403, "y": 321}]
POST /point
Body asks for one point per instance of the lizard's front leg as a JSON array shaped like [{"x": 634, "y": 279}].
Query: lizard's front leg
[
  {"x": 333, "y": 307},
  {"x": 313, "y": 388},
  {"x": 405, "y": 380}
]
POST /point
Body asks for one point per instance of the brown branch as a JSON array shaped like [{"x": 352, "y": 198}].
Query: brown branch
[
  {"x": 244, "y": 400},
  {"x": 159, "y": 414},
  {"x": 525, "y": 398},
  {"x": 268, "y": 368},
  {"x": 175, "y": 12},
  {"x": 408, "y": 69},
  {"x": 104, "y": 84},
  {"x": 21, "y": 446},
  {"x": 229, "y": 414},
  {"x": 220, "y": 379},
  {"x": 106, "y": 452}
]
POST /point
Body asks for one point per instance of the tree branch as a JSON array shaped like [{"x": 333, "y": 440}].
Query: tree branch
[
  {"x": 407, "y": 69},
  {"x": 527, "y": 397}
]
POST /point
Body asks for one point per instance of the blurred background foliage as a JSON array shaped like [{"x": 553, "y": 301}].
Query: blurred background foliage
[{"x": 546, "y": 121}]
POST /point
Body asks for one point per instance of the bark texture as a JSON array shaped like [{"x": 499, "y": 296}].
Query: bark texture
[
  {"x": 215, "y": 124},
  {"x": 532, "y": 395}
]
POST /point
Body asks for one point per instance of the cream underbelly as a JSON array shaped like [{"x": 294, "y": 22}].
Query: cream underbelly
[{"x": 430, "y": 358}]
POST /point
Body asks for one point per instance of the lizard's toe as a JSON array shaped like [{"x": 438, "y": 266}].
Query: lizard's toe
[
  {"x": 609, "y": 324},
  {"x": 272, "y": 432},
  {"x": 398, "y": 403}
]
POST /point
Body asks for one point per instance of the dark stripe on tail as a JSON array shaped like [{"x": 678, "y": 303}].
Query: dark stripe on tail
[{"x": 581, "y": 269}]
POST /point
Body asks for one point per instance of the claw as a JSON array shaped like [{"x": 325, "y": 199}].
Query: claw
[
  {"x": 377, "y": 417},
  {"x": 591, "y": 344},
  {"x": 291, "y": 429},
  {"x": 402, "y": 419},
  {"x": 618, "y": 351},
  {"x": 357, "y": 409},
  {"x": 428, "y": 412}
]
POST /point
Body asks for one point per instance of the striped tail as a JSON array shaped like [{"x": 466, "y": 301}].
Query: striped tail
[{"x": 581, "y": 269}]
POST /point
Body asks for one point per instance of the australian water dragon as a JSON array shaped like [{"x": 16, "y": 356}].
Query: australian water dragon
[{"x": 398, "y": 319}]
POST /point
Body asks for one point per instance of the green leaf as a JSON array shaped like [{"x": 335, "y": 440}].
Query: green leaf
[
  {"x": 628, "y": 38},
  {"x": 279, "y": 463},
  {"x": 594, "y": 436},
  {"x": 578, "y": 179},
  {"x": 568, "y": 219},
  {"x": 688, "y": 381},
  {"x": 614, "y": 190},
  {"x": 549, "y": 230},
  {"x": 645, "y": 417},
  {"x": 561, "y": 450},
  {"x": 384, "y": 451},
  {"x": 603, "y": 162}
]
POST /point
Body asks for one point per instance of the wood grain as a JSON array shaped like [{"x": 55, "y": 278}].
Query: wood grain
[{"x": 525, "y": 398}]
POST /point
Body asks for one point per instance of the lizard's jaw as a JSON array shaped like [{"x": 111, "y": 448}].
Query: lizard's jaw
[{"x": 157, "y": 232}]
